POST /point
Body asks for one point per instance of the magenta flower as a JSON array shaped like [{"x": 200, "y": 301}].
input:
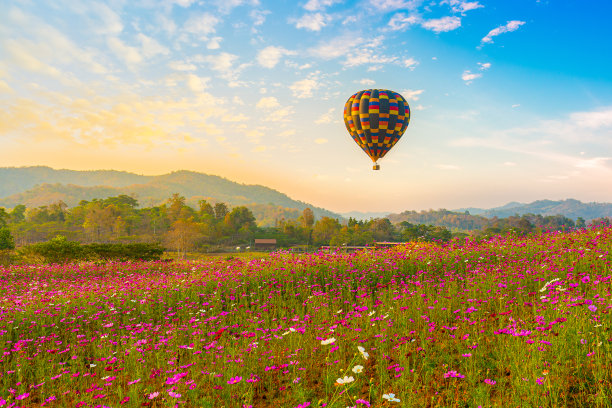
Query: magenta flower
[
  {"x": 592, "y": 308},
  {"x": 490, "y": 382},
  {"x": 453, "y": 374},
  {"x": 234, "y": 380},
  {"x": 362, "y": 401},
  {"x": 174, "y": 394},
  {"x": 153, "y": 394},
  {"x": 22, "y": 396}
]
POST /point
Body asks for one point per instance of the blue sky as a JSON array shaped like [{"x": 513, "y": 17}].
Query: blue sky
[{"x": 510, "y": 100}]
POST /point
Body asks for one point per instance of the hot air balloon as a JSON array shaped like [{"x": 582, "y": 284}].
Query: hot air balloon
[{"x": 376, "y": 119}]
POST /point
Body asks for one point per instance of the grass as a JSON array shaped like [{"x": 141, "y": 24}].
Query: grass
[{"x": 505, "y": 322}]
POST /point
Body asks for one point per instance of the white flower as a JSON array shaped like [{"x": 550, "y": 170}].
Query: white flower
[
  {"x": 390, "y": 397},
  {"x": 328, "y": 341},
  {"x": 345, "y": 380},
  {"x": 357, "y": 369},
  {"x": 364, "y": 353}
]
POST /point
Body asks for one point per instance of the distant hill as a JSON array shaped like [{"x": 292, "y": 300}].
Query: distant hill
[
  {"x": 570, "y": 208},
  {"x": 37, "y": 186}
]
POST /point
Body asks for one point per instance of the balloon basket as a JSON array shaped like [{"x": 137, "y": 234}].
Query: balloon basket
[{"x": 376, "y": 166}]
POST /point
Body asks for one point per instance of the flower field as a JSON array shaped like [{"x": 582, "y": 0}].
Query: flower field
[{"x": 505, "y": 322}]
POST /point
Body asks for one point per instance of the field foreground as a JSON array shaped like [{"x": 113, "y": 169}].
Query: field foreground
[{"x": 507, "y": 322}]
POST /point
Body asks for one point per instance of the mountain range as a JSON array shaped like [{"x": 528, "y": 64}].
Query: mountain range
[{"x": 39, "y": 185}]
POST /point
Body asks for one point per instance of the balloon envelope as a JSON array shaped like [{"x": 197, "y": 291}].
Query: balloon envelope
[{"x": 376, "y": 119}]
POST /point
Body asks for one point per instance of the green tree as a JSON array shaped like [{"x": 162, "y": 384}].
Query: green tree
[
  {"x": 220, "y": 211},
  {"x": 17, "y": 215},
  {"x": 324, "y": 230},
  {"x": 58, "y": 250},
  {"x": 6, "y": 239}
]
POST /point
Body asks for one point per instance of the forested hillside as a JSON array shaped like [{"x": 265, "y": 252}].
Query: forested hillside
[{"x": 39, "y": 186}]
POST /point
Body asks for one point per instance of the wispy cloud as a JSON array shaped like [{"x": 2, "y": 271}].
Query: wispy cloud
[
  {"x": 459, "y": 6},
  {"x": 316, "y": 5},
  {"x": 304, "y": 88},
  {"x": 444, "y": 24},
  {"x": 267, "y": 102},
  {"x": 507, "y": 28},
  {"x": 402, "y": 21},
  {"x": 327, "y": 117},
  {"x": 312, "y": 22},
  {"x": 412, "y": 95},
  {"x": 271, "y": 55},
  {"x": 469, "y": 76}
]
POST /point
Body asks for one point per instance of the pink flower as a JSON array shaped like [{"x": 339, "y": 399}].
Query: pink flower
[
  {"x": 592, "y": 308},
  {"x": 174, "y": 394},
  {"x": 540, "y": 380},
  {"x": 362, "y": 401},
  {"x": 490, "y": 382},
  {"x": 22, "y": 396},
  {"x": 153, "y": 394},
  {"x": 134, "y": 382},
  {"x": 454, "y": 374},
  {"x": 234, "y": 380}
]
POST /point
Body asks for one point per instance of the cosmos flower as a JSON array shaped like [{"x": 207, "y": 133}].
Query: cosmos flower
[
  {"x": 390, "y": 397},
  {"x": 345, "y": 380},
  {"x": 357, "y": 369}
]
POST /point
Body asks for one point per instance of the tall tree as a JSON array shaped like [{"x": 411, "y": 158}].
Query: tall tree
[{"x": 220, "y": 211}]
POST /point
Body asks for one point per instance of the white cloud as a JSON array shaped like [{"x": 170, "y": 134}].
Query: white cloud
[
  {"x": 126, "y": 53},
  {"x": 387, "y": 5},
  {"x": 237, "y": 100},
  {"x": 484, "y": 65},
  {"x": 213, "y": 43},
  {"x": 268, "y": 102},
  {"x": 401, "y": 21},
  {"x": 336, "y": 47},
  {"x": 184, "y": 3},
  {"x": 327, "y": 117},
  {"x": 410, "y": 63},
  {"x": 271, "y": 55},
  {"x": 516, "y": 105},
  {"x": 258, "y": 16},
  {"x": 320, "y": 140},
  {"x": 110, "y": 21},
  {"x": 412, "y": 95},
  {"x": 367, "y": 56},
  {"x": 507, "y": 28},
  {"x": 201, "y": 25},
  {"x": 468, "y": 76},
  {"x": 443, "y": 24},
  {"x": 366, "y": 82},
  {"x": 280, "y": 114},
  {"x": 312, "y": 22},
  {"x": 459, "y": 6},
  {"x": 304, "y": 88},
  {"x": 150, "y": 47},
  {"x": 594, "y": 163},
  {"x": 181, "y": 66},
  {"x": 222, "y": 63},
  {"x": 593, "y": 120},
  {"x": 316, "y": 5},
  {"x": 226, "y": 6},
  {"x": 196, "y": 84}
]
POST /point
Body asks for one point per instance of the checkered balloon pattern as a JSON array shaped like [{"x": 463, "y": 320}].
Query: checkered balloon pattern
[{"x": 376, "y": 120}]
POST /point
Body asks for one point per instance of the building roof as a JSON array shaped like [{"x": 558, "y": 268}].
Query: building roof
[{"x": 265, "y": 241}]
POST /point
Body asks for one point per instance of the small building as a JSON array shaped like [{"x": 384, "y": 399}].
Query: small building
[{"x": 266, "y": 244}]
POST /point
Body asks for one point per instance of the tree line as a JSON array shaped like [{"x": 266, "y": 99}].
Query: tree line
[{"x": 217, "y": 227}]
